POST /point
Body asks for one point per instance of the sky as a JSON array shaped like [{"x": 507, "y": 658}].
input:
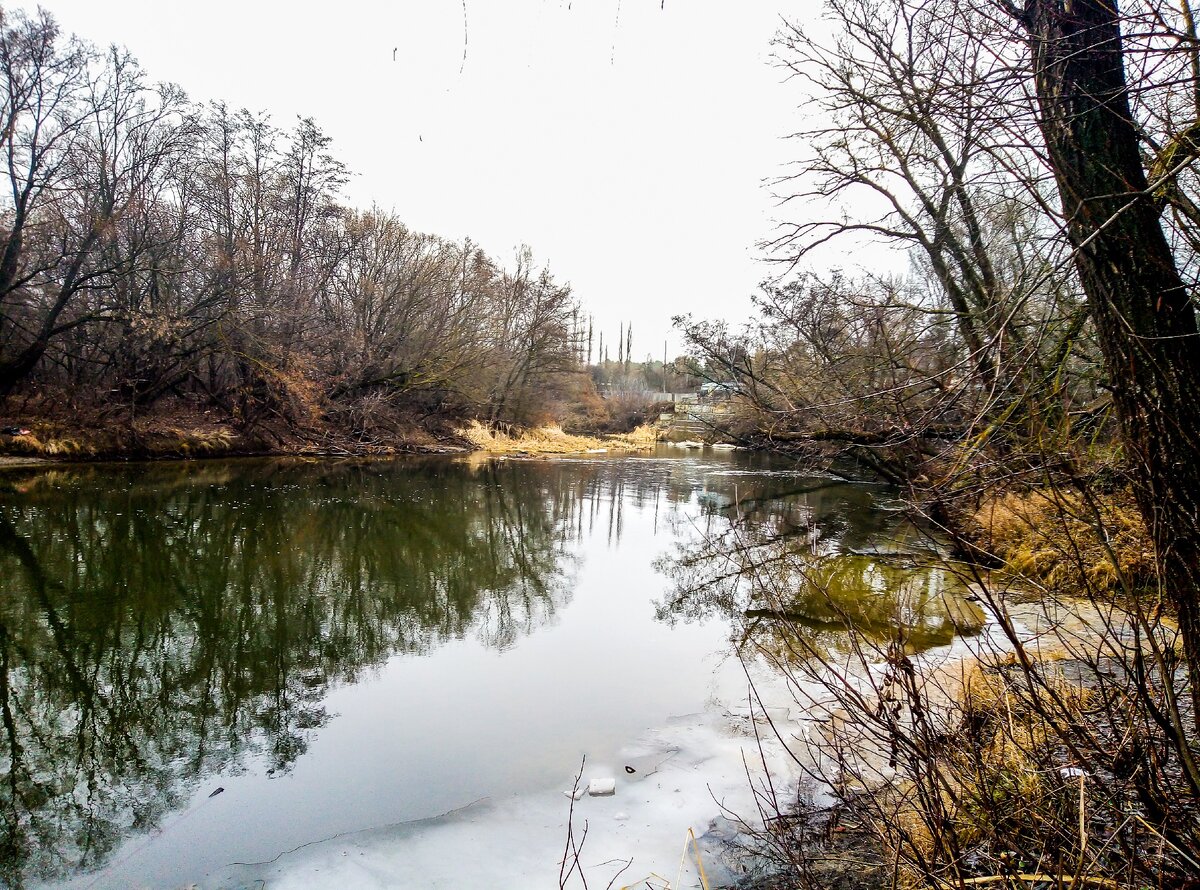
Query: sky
[{"x": 629, "y": 143}]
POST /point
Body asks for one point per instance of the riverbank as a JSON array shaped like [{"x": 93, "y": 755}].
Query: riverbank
[
  {"x": 1064, "y": 540},
  {"x": 998, "y": 743},
  {"x": 183, "y": 431},
  {"x": 7, "y": 461},
  {"x": 181, "y": 435}
]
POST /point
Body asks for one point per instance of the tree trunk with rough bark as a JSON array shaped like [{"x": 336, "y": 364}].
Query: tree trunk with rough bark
[{"x": 1144, "y": 315}]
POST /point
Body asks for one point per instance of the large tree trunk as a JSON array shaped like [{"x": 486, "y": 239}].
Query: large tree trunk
[
  {"x": 16, "y": 369},
  {"x": 1143, "y": 313}
]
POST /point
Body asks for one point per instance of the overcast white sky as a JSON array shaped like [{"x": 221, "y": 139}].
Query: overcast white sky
[{"x": 625, "y": 142}]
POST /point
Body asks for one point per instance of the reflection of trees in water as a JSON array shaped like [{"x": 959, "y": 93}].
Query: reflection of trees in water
[
  {"x": 163, "y": 623},
  {"x": 742, "y": 483},
  {"x": 158, "y": 625},
  {"x": 800, "y": 571}
]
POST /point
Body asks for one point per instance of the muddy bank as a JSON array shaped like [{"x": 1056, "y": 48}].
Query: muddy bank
[
  {"x": 26, "y": 441},
  {"x": 9, "y": 461},
  {"x": 184, "y": 432}
]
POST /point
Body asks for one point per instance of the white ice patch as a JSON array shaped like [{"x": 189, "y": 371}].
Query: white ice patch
[
  {"x": 691, "y": 774},
  {"x": 686, "y": 774}
]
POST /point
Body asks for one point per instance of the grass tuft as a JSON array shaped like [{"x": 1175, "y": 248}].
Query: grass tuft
[
  {"x": 552, "y": 440},
  {"x": 1066, "y": 543}
]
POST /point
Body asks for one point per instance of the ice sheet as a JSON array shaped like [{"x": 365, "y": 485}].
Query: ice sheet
[
  {"x": 686, "y": 774},
  {"x": 696, "y": 773}
]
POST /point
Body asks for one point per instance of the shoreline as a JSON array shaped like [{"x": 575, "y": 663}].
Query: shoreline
[
  {"x": 7, "y": 461},
  {"x": 177, "y": 445},
  {"x": 22, "y": 461}
]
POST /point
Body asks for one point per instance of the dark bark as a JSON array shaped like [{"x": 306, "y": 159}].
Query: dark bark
[
  {"x": 15, "y": 369},
  {"x": 1144, "y": 315}
]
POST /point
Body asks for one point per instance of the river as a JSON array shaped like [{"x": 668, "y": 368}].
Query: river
[{"x": 209, "y": 669}]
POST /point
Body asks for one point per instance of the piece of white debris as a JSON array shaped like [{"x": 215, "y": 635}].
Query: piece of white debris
[
  {"x": 1072, "y": 772},
  {"x": 621, "y": 817},
  {"x": 602, "y": 787},
  {"x": 576, "y": 793}
]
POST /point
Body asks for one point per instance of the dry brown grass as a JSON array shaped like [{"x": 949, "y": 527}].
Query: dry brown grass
[
  {"x": 48, "y": 444},
  {"x": 64, "y": 443},
  {"x": 1067, "y": 543},
  {"x": 552, "y": 440},
  {"x": 998, "y": 783},
  {"x": 195, "y": 442}
]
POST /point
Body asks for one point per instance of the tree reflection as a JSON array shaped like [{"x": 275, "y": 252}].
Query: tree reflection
[
  {"x": 164, "y": 624},
  {"x": 160, "y": 625},
  {"x": 816, "y": 571}
]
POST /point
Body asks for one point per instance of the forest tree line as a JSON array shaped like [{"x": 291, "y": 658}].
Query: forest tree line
[{"x": 152, "y": 248}]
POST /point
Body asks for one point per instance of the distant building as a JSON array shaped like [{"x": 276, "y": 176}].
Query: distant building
[{"x": 717, "y": 391}]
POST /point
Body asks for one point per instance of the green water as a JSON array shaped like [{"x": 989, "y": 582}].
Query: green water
[{"x": 345, "y": 645}]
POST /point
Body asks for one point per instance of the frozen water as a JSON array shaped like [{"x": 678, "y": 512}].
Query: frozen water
[
  {"x": 518, "y": 841},
  {"x": 695, "y": 774}
]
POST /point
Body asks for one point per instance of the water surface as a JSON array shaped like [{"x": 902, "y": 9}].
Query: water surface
[{"x": 346, "y": 645}]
